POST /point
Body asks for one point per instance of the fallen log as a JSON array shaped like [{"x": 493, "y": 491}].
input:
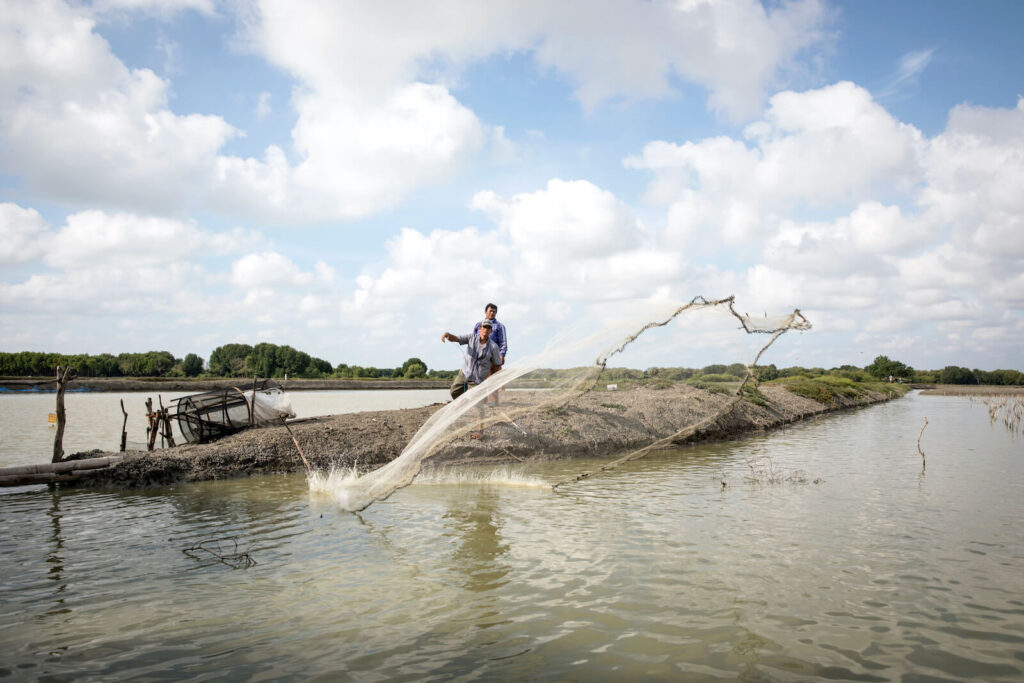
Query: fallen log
[{"x": 20, "y": 475}]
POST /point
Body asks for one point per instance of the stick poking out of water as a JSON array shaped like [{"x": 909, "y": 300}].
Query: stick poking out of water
[
  {"x": 919, "y": 444},
  {"x": 296, "y": 442}
]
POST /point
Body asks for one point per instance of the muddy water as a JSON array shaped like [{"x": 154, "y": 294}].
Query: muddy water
[{"x": 827, "y": 553}]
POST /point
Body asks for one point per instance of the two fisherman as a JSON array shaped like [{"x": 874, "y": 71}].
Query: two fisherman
[{"x": 485, "y": 352}]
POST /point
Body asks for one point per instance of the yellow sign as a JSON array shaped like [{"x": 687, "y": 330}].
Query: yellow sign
[{"x": 52, "y": 418}]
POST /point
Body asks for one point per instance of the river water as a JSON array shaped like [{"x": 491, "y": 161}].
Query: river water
[
  {"x": 95, "y": 420},
  {"x": 821, "y": 551}
]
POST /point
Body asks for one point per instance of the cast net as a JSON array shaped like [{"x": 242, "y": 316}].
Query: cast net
[{"x": 519, "y": 411}]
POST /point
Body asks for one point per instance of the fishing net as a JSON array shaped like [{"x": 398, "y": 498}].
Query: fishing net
[{"x": 507, "y": 409}]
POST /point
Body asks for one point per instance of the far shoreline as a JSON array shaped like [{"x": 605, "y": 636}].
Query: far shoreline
[{"x": 124, "y": 384}]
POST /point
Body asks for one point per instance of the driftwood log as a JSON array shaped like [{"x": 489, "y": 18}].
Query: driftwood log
[{"x": 22, "y": 475}]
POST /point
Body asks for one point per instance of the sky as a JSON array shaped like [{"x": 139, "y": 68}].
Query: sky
[{"x": 355, "y": 178}]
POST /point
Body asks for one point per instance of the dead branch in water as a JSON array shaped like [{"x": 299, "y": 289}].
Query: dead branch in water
[
  {"x": 211, "y": 548},
  {"x": 919, "y": 443},
  {"x": 1009, "y": 411},
  {"x": 124, "y": 428}
]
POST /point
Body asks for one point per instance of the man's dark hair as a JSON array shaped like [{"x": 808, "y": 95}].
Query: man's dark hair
[{"x": 490, "y": 306}]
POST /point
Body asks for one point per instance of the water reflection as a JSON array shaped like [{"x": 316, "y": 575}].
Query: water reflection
[
  {"x": 55, "y": 558},
  {"x": 480, "y": 548}
]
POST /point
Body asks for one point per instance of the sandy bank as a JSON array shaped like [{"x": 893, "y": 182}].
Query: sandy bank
[{"x": 598, "y": 424}]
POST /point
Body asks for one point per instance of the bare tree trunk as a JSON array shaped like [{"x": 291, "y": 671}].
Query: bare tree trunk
[
  {"x": 63, "y": 377},
  {"x": 124, "y": 428},
  {"x": 151, "y": 425}
]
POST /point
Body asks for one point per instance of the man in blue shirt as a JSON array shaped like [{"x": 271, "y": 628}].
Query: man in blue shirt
[
  {"x": 481, "y": 355},
  {"x": 497, "y": 331}
]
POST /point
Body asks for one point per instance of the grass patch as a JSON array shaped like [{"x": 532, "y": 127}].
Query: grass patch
[
  {"x": 613, "y": 406},
  {"x": 753, "y": 395},
  {"x": 714, "y": 388},
  {"x": 827, "y": 388}
]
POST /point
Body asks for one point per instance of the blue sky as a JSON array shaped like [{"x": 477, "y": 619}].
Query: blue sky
[{"x": 354, "y": 178}]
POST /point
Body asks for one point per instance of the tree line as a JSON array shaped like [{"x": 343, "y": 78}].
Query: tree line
[
  {"x": 149, "y": 364},
  {"x": 228, "y": 360},
  {"x": 882, "y": 368},
  {"x": 278, "y": 361}
]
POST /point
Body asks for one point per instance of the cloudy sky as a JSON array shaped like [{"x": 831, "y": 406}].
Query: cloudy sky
[{"x": 354, "y": 178}]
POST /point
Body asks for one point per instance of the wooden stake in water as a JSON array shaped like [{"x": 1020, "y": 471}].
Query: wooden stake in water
[
  {"x": 124, "y": 428},
  {"x": 296, "y": 442},
  {"x": 63, "y": 377},
  {"x": 919, "y": 444}
]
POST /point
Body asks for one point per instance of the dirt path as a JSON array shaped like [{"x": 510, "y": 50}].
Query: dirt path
[{"x": 598, "y": 424}]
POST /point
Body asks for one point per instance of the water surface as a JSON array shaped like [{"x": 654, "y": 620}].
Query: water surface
[
  {"x": 95, "y": 419},
  {"x": 827, "y": 553}
]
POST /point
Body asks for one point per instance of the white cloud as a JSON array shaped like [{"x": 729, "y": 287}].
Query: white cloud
[
  {"x": 93, "y": 239},
  {"x": 78, "y": 125},
  {"x": 376, "y": 116},
  {"x": 552, "y": 250},
  {"x": 569, "y": 218},
  {"x": 812, "y": 149},
  {"x": 22, "y": 233},
  {"x": 910, "y": 66},
  {"x": 266, "y": 270},
  {"x": 975, "y": 169},
  {"x": 908, "y": 230}
]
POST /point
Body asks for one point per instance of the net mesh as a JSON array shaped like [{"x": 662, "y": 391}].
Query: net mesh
[{"x": 569, "y": 367}]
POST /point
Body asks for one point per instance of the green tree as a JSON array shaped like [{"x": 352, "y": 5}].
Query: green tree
[
  {"x": 192, "y": 365},
  {"x": 953, "y": 374},
  {"x": 262, "y": 360},
  {"x": 416, "y": 371},
  {"x": 737, "y": 370},
  {"x": 882, "y": 367},
  {"x": 230, "y": 360},
  {"x": 412, "y": 368}
]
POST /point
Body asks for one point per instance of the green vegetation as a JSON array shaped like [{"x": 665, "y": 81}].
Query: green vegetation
[
  {"x": 272, "y": 360},
  {"x": 149, "y": 364},
  {"x": 229, "y": 360},
  {"x": 826, "y": 388},
  {"x": 266, "y": 360}
]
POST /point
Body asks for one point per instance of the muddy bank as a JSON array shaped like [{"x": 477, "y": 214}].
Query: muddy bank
[
  {"x": 196, "y": 385},
  {"x": 598, "y": 424}
]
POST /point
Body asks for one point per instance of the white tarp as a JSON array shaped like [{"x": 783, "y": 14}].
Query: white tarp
[{"x": 270, "y": 406}]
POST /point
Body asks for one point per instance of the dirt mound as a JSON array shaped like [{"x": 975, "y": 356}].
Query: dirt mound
[{"x": 598, "y": 424}]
